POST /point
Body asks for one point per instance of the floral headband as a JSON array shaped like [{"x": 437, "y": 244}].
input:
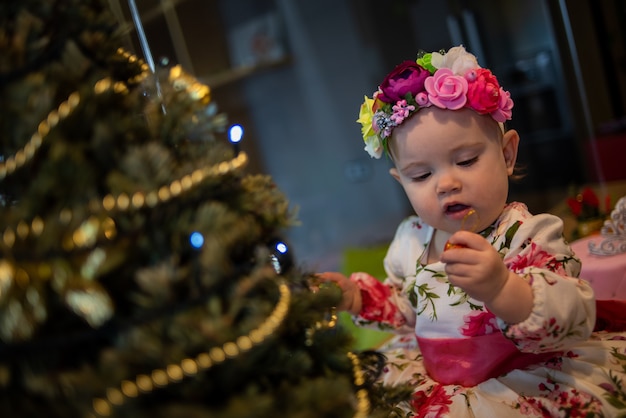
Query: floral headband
[{"x": 448, "y": 80}]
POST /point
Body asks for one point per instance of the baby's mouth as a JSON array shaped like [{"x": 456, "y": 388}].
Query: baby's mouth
[{"x": 456, "y": 208}]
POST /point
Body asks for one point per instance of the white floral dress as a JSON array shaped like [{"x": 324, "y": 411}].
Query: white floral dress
[{"x": 464, "y": 361}]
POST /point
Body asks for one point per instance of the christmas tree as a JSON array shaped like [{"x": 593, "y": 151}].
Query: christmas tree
[{"x": 142, "y": 272}]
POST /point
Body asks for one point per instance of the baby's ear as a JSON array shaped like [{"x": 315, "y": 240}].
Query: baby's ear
[
  {"x": 394, "y": 173},
  {"x": 510, "y": 143}
]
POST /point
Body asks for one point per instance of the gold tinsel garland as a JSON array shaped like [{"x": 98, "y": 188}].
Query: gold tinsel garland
[
  {"x": 97, "y": 226},
  {"x": 189, "y": 367},
  {"x": 85, "y": 235},
  {"x": 13, "y": 162},
  {"x": 362, "y": 399}
]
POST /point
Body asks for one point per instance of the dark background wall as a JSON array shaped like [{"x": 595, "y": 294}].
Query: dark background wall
[{"x": 563, "y": 61}]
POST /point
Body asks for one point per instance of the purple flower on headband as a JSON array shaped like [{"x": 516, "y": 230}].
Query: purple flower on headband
[
  {"x": 446, "y": 90},
  {"x": 383, "y": 124},
  {"x": 407, "y": 77}
]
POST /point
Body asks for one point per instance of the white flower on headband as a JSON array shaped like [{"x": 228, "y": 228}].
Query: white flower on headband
[
  {"x": 374, "y": 147},
  {"x": 457, "y": 59},
  {"x": 451, "y": 80}
]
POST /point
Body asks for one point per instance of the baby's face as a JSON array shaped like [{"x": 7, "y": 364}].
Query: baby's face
[{"x": 451, "y": 161}]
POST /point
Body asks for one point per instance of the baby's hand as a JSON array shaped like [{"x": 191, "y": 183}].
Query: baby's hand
[
  {"x": 351, "y": 300},
  {"x": 475, "y": 266}
]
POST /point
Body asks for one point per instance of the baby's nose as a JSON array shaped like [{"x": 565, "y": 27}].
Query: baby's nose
[{"x": 447, "y": 183}]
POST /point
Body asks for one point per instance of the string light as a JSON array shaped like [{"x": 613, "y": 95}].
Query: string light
[
  {"x": 196, "y": 239},
  {"x": 280, "y": 257},
  {"x": 235, "y": 133},
  {"x": 281, "y": 247}
]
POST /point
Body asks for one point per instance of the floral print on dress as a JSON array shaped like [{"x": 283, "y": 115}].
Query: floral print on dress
[
  {"x": 433, "y": 403},
  {"x": 375, "y": 301},
  {"x": 481, "y": 323},
  {"x": 556, "y": 362},
  {"x": 552, "y": 336},
  {"x": 555, "y": 401},
  {"x": 535, "y": 256},
  {"x": 616, "y": 386},
  {"x": 423, "y": 299},
  {"x": 582, "y": 374}
]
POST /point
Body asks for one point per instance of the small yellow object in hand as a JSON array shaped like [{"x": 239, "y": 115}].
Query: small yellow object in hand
[{"x": 470, "y": 223}]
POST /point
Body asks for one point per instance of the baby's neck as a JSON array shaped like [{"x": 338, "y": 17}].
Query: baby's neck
[{"x": 437, "y": 244}]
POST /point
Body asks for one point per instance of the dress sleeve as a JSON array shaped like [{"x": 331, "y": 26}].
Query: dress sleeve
[
  {"x": 386, "y": 305},
  {"x": 564, "y": 307}
]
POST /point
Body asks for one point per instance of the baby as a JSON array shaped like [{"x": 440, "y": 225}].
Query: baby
[{"x": 495, "y": 321}]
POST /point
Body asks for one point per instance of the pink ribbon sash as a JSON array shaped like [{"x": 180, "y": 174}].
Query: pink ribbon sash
[{"x": 469, "y": 361}]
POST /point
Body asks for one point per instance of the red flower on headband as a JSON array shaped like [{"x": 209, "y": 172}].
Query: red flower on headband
[
  {"x": 483, "y": 91},
  {"x": 407, "y": 77}
]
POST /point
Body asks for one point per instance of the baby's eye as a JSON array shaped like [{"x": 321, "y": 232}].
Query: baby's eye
[
  {"x": 466, "y": 163},
  {"x": 420, "y": 177}
]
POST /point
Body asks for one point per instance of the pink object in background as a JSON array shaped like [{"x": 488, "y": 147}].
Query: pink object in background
[{"x": 606, "y": 274}]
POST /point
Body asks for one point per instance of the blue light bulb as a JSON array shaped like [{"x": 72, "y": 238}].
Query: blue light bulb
[
  {"x": 235, "y": 133},
  {"x": 196, "y": 239},
  {"x": 281, "y": 247}
]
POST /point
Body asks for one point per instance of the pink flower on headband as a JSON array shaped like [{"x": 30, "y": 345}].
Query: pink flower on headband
[
  {"x": 422, "y": 99},
  {"x": 483, "y": 91},
  {"x": 505, "y": 106},
  {"x": 401, "y": 111},
  {"x": 407, "y": 77},
  {"x": 446, "y": 90}
]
